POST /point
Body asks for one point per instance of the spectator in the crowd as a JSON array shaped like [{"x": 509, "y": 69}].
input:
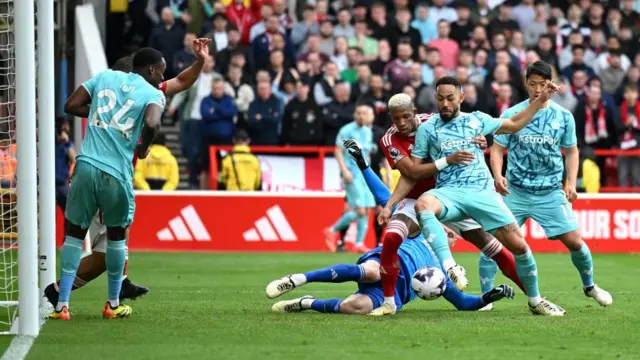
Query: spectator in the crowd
[
  {"x": 355, "y": 57},
  {"x": 241, "y": 92},
  {"x": 447, "y": 47},
  {"x": 242, "y": 17},
  {"x": 303, "y": 28},
  {"x": 424, "y": 97},
  {"x": 564, "y": 97},
  {"x": 577, "y": 63},
  {"x": 602, "y": 61},
  {"x": 537, "y": 26},
  {"x": 597, "y": 41},
  {"x": 193, "y": 13},
  {"x": 377, "y": 97},
  {"x": 504, "y": 22},
  {"x": 159, "y": 170},
  {"x": 168, "y": 38},
  {"x": 432, "y": 60},
  {"x": 524, "y": 13},
  {"x": 361, "y": 85},
  {"x": 264, "y": 44},
  {"x": 65, "y": 157},
  {"x": 185, "y": 57},
  {"x": 462, "y": 28},
  {"x": 566, "y": 55},
  {"x": 362, "y": 40},
  {"x": 633, "y": 78},
  {"x": 629, "y": 14},
  {"x": 313, "y": 46},
  {"x": 402, "y": 31},
  {"x": 398, "y": 71},
  {"x": 439, "y": 11},
  {"x": 478, "y": 70},
  {"x": 265, "y": 116},
  {"x": 472, "y": 101},
  {"x": 219, "y": 35},
  {"x": 518, "y": 50},
  {"x": 612, "y": 76},
  {"x": 503, "y": 100},
  {"x": 336, "y": 114},
  {"x": 327, "y": 40},
  {"x": 234, "y": 45},
  {"x": 499, "y": 43},
  {"x": 589, "y": 175},
  {"x": 579, "y": 84},
  {"x": 344, "y": 27},
  {"x": 339, "y": 56},
  {"x": 479, "y": 39},
  {"x": 614, "y": 20},
  {"x": 483, "y": 14},
  {"x": 574, "y": 23},
  {"x": 380, "y": 25},
  {"x": 384, "y": 57},
  {"x": 260, "y": 27},
  {"x": 428, "y": 30},
  {"x": 595, "y": 18},
  {"x": 218, "y": 112},
  {"x": 323, "y": 90},
  {"x": 240, "y": 169},
  {"x": 302, "y": 120},
  {"x": 596, "y": 126},
  {"x": 547, "y": 50},
  {"x": 629, "y": 166},
  {"x": 629, "y": 45},
  {"x": 281, "y": 11}
]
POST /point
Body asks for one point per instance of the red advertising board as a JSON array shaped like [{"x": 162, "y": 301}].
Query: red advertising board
[{"x": 224, "y": 221}]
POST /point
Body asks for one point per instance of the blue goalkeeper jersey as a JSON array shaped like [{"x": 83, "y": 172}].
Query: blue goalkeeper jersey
[
  {"x": 534, "y": 160},
  {"x": 118, "y": 103},
  {"x": 437, "y": 138}
]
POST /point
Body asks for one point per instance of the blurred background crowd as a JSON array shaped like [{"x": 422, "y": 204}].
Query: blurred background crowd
[{"x": 290, "y": 72}]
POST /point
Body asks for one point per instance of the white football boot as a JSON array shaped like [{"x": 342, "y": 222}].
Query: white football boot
[
  {"x": 488, "y": 307},
  {"x": 458, "y": 276},
  {"x": 546, "y": 308},
  {"x": 290, "y": 306},
  {"x": 279, "y": 287},
  {"x": 601, "y": 296},
  {"x": 384, "y": 309}
]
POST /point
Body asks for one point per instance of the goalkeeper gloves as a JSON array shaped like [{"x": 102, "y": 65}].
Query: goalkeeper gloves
[{"x": 356, "y": 153}]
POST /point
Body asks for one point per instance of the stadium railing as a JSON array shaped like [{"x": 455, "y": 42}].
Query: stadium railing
[{"x": 321, "y": 153}]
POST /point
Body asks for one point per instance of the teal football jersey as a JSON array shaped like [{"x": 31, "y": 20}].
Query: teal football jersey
[
  {"x": 437, "y": 138},
  {"x": 363, "y": 135},
  {"x": 534, "y": 160},
  {"x": 118, "y": 103}
]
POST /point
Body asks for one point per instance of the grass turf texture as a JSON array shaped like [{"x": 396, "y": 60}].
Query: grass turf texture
[{"x": 212, "y": 306}]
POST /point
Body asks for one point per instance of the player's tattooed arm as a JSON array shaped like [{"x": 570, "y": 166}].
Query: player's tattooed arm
[
  {"x": 188, "y": 76},
  {"x": 416, "y": 170},
  {"x": 152, "y": 115},
  {"x": 521, "y": 119},
  {"x": 79, "y": 103}
]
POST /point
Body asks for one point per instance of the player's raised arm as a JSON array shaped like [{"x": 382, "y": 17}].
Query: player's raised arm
[
  {"x": 545, "y": 89},
  {"x": 188, "y": 76},
  {"x": 400, "y": 192}
]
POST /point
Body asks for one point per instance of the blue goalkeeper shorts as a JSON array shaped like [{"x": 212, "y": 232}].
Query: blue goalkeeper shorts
[
  {"x": 92, "y": 189},
  {"x": 552, "y": 211},
  {"x": 374, "y": 290}
]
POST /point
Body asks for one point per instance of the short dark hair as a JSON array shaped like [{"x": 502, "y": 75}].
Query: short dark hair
[
  {"x": 124, "y": 64},
  {"x": 631, "y": 87},
  {"x": 146, "y": 57},
  {"x": 541, "y": 69},
  {"x": 578, "y": 46},
  {"x": 159, "y": 139},
  {"x": 449, "y": 80},
  {"x": 241, "y": 135}
]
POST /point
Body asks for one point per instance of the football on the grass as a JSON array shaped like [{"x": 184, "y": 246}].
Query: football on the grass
[{"x": 429, "y": 283}]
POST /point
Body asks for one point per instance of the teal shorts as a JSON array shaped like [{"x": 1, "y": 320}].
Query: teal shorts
[
  {"x": 552, "y": 211},
  {"x": 358, "y": 193},
  {"x": 92, "y": 189},
  {"x": 486, "y": 207}
]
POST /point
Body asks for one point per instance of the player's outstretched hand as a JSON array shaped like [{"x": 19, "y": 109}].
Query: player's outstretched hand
[
  {"x": 481, "y": 141},
  {"x": 356, "y": 153},
  {"x": 201, "y": 48},
  {"x": 142, "y": 151},
  {"x": 385, "y": 215},
  {"x": 498, "y": 293},
  {"x": 461, "y": 157},
  {"x": 501, "y": 186},
  {"x": 549, "y": 89},
  {"x": 571, "y": 193}
]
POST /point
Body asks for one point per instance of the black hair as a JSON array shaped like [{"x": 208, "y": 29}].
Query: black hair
[
  {"x": 124, "y": 64},
  {"x": 241, "y": 135},
  {"x": 578, "y": 46},
  {"x": 541, "y": 69},
  {"x": 146, "y": 57},
  {"x": 449, "y": 80},
  {"x": 159, "y": 139}
]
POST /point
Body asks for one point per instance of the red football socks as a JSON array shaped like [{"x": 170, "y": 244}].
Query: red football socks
[{"x": 389, "y": 262}]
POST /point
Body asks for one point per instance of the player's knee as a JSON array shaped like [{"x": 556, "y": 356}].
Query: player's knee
[
  {"x": 511, "y": 237},
  {"x": 361, "y": 211},
  {"x": 572, "y": 240},
  {"x": 427, "y": 203},
  {"x": 371, "y": 272},
  {"x": 353, "y": 306}
]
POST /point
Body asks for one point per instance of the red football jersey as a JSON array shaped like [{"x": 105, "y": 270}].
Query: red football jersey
[{"x": 397, "y": 146}]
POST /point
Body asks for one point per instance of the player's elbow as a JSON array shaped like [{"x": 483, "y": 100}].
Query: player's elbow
[{"x": 508, "y": 127}]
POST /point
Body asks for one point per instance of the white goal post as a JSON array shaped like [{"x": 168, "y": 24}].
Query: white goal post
[{"x": 35, "y": 145}]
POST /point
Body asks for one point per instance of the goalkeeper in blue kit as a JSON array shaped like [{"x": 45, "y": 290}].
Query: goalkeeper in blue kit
[
  {"x": 413, "y": 253},
  {"x": 122, "y": 106}
]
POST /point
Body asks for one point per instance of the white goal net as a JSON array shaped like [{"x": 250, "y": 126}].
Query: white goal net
[{"x": 22, "y": 174}]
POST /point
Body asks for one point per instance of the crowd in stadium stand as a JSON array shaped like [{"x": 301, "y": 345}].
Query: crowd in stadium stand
[{"x": 290, "y": 72}]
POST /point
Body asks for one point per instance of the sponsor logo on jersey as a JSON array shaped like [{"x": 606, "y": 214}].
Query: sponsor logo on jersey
[
  {"x": 537, "y": 139},
  {"x": 455, "y": 144}
]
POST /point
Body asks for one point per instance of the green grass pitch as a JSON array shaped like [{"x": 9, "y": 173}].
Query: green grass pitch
[{"x": 212, "y": 306}]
